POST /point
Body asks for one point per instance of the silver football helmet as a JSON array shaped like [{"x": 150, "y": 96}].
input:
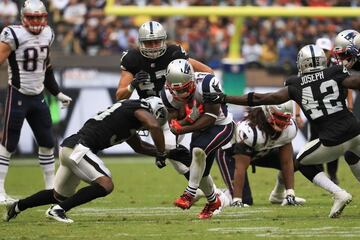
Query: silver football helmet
[
  {"x": 152, "y": 31},
  {"x": 158, "y": 109},
  {"x": 34, "y": 16},
  {"x": 311, "y": 58},
  {"x": 180, "y": 78},
  {"x": 342, "y": 41},
  {"x": 278, "y": 116}
]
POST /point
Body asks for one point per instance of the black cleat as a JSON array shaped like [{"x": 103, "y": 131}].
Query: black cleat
[{"x": 10, "y": 211}]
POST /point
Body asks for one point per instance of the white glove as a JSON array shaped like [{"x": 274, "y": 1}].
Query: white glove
[
  {"x": 65, "y": 100},
  {"x": 237, "y": 202}
]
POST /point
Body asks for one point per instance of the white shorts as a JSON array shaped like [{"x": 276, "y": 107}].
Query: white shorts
[
  {"x": 315, "y": 152},
  {"x": 68, "y": 176}
]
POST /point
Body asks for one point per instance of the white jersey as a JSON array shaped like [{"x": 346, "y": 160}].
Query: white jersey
[
  {"x": 255, "y": 139},
  {"x": 205, "y": 82},
  {"x": 28, "y": 59}
]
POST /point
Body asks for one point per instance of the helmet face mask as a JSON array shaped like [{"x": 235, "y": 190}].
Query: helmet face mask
[
  {"x": 158, "y": 109},
  {"x": 180, "y": 79},
  {"x": 152, "y": 40},
  {"x": 342, "y": 41},
  {"x": 34, "y": 16},
  {"x": 311, "y": 58},
  {"x": 278, "y": 116}
]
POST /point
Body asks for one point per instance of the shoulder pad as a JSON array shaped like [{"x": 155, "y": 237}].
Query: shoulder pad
[{"x": 244, "y": 133}]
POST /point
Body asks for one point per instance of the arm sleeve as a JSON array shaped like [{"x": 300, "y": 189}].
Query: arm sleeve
[{"x": 50, "y": 82}]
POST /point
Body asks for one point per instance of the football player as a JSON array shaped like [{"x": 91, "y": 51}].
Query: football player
[
  {"x": 263, "y": 139},
  {"x": 319, "y": 90},
  {"x": 26, "y": 48},
  {"x": 211, "y": 126},
  {"x": 143, "y": 69},
  {"x": 78, "y": 159}
]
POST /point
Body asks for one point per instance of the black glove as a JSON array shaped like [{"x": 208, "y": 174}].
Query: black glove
[
  {"x": 214, "y": 97},
  {"x": 289, "y": 200},
  {"x": 181, "y": 154},
  {"x": 140, "y": 77},
  {"x": 160, "y": 159},
  {"x": 352, "y": 51}
]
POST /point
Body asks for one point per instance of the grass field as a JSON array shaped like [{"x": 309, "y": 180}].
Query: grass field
[{"x": 141, "y": 208}]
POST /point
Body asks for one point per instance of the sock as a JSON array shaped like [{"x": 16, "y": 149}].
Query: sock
[
  {"x": 41, "y": 198},
  {"x": 4, "y": 166},
  {"x": 279, "y": 186},
  {"x": 84, "y": 195},
  {"x": 208, "y": 187},
  {"x": 47, "y": 163},
  {"x": 322, "y": 180},
  {"x": 355, "y": 169}
]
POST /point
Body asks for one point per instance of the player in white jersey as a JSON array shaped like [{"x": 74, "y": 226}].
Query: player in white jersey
[
  {"x": 26, "y": 48},
  {"x": 263, "y": 139},
  {"x": 211, "y": 127}
]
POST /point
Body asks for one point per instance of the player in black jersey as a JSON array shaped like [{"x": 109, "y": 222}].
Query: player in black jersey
[
  {"x": 320, "y": 93},
  {"x": 78, "y": 159}
]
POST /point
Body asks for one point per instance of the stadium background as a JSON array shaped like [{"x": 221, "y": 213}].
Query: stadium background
[{"x": 88, "y": 44}]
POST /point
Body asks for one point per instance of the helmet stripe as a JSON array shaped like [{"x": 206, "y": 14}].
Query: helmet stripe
[
  {"x": 151, "y": 27},
  {"x": 313, "y": 56}
]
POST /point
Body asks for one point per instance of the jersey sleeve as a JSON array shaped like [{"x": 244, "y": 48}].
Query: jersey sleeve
[
  {"x": 178, "y": 52},
  {"x": 210, "y": 83},
  {"x": 246, "y": 138},
  {"x": 341, "y": 72},
  {"x": 129, "y": 62},
  {"x": 9, "y": 37}
]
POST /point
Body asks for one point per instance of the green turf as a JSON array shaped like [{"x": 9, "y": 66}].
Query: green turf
[{"x": 141, "y": 208}]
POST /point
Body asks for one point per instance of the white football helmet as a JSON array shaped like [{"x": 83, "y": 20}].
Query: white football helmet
[
  {"x": 152, "y": 31},
  {"x": 278, "y": 115},
  {"x": 34, "y": 16},
  {"x": 158, "y": 109},
  {"x": 180, "y": 79},
  {"x": 342, "y": 41},
  {"x": 311, "y": 58}
]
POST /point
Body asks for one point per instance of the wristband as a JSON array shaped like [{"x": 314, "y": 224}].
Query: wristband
[
  {"x": 250, "y": 98},
  {"x": 297, "y": 115}
]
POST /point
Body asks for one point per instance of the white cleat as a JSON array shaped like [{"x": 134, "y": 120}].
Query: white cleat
[
  {"x": 341, "y": 199},
  {"x": 6, "y": 199},
  {"x": 57, "y": 213},
  {"x": 277, "y": 198}
]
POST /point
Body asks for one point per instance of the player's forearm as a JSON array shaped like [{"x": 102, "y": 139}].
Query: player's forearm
[
  {"x": 241, "y": 164},
  {"x": 147, "y": 149},
  {"x": 203, "y": 122},
  {"x": 123, "y": 93},
  {"x": 158, "y": 137},
  {"x": 50, "y": 82}
]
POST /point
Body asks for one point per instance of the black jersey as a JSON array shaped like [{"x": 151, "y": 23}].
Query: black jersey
[
  {"x": 322, "y": 97},
  {"x": 134, "y": 62},
  {"x": 110, "y": 127}
]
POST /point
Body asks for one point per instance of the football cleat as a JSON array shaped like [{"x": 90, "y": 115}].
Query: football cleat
[
  {"x": 57, "y": 213},
  {"x": 185, "y": 201},
  {"x": 10, "y": 211},
  {"x": 210, "y": 208},
  {"x": 6, "y": 199},
  {"x": 341, "y": 199},
  {"x": 278, "y": 198}
]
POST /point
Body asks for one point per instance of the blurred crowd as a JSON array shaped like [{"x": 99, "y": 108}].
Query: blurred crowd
[{"x": 81, "y": 27}]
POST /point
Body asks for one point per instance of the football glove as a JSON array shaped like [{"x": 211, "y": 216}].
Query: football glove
[
  {"x": 192, "y": 114},
  {"x": 214, "y": 97},
  {"x": 175, "y": 127},
  {"x": 160, "y": 160},
  {"x": 64, "y": 99},
  {"x": 237, "y": 202},
  {"x": 352, "y": 51},
  {"x": 290, "y": 200},
  {"x": 140, "y": 77}
]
